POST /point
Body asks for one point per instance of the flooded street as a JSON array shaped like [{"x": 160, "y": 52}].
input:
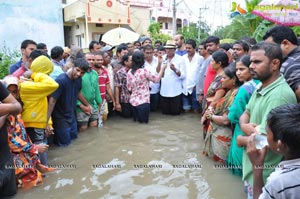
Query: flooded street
[{"x": 124, "y": 159}]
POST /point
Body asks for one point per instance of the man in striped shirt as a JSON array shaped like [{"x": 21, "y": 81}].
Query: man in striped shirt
[
  {"x": 286, "y": 38},
  {"x": 283, "y": 137}
]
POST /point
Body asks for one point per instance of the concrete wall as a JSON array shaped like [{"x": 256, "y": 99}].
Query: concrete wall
[{"x": 39, "y": 20}]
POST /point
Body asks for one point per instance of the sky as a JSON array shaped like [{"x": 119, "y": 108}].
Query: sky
[{"x": 216, "y": 14}]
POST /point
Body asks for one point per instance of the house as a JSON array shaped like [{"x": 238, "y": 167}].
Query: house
[
  {"x": 164, "y": 15},
  {"x": 87, "y": 20}
]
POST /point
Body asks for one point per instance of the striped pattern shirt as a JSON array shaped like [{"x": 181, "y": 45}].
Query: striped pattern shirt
[{"x": 284, "y": 182}]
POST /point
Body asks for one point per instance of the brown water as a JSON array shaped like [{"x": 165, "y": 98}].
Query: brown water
[{"x": 110, "y": 163}]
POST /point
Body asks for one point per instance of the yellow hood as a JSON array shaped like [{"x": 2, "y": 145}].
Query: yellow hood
[{"x": 42, "y": 64}]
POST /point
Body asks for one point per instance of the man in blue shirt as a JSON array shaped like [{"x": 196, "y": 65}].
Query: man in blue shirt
[
  {"x": 62, "y": 103},
  {"x": 27, "y": 47},
  {"x": 179, "y": 41}
]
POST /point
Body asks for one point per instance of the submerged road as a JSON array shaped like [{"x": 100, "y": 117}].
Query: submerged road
[{"x": 124, "y": 159}]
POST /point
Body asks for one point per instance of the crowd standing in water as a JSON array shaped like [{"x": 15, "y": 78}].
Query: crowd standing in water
[{"x": 241, "y": 91}]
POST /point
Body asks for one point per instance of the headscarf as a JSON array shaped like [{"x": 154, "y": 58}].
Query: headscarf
[{"x": 10, "y": 80}]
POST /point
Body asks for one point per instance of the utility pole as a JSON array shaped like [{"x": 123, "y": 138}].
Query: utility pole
[
  {"x": 199, "y": 27},
  {"x": 174, "y": 18}
]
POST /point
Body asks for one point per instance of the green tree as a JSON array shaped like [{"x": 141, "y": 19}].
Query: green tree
[
  {"x": 239, "y": 27},
  {"x": 248, "y": 25},
  {"x": 155, "y": 34},
  {"x": 245, "y": 25},
  {"x": 296, "y": 30},
  {"x": 191, "y": 31},
  {"x": 7, "y": 57}
]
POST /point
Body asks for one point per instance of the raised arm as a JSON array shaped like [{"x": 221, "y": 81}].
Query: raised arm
[{"x": 10, "y": 106}]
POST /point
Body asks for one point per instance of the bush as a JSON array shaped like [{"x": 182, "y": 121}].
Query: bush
[{"x": 7, "y": 57}]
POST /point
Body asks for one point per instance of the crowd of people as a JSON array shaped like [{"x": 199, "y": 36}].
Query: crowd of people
[{"x": 239, "y": 91}]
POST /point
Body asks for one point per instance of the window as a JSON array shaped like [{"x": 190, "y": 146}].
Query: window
[{"x": 79, "y": 42}]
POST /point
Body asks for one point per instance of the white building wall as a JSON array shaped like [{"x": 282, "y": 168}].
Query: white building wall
[{"x": 31, "y": 19}]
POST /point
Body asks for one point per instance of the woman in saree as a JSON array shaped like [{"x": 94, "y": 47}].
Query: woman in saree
[
  {"x": 215, "y": 91},
  {"x": 241, "y": 99},
  {"x": 219, "y": 133},
  {"x": 28, "y": 168}
]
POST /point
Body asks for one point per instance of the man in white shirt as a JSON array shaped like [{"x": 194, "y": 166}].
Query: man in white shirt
[
  {"x": 192, "y": 62},
  {"x": 151, "y": 63},
  {"x": 171, "y": 83}
]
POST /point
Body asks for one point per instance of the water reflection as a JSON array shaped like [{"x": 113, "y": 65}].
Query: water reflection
[{"x": 124, "y": 159}]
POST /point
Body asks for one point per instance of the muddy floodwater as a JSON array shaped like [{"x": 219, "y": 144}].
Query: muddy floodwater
[{"x": 124, "y": 159}]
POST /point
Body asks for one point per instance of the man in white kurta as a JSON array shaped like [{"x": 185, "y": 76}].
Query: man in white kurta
[
  {"x": 171, "y": 83},
  {"x": 192, "y": 62},
  {"x": 151, "y": 63}
]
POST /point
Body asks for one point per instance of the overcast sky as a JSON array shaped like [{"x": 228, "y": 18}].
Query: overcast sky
[{"x": 216, "y": 14}]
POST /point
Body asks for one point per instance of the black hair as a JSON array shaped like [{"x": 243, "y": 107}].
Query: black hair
[
  {"x": 121, "y": 47},
  {"x": 125, "y": 58},
  {"x": 220, "y": 56},
  {"x": 245, "y": 60},
  {"x": 203, "y": 43},
  {"x": 230, "y": 72},
  {"x": 56, "y": 52},
  {"x": 213, "y": 39},
  {"x": 244, "y": 45},
  {"x": 36, "y": 53},
  {"x": 79, "y": 55},
  {"x": 26, "y": 42},
  {"x": 249, "y": 40},
  {"x": 41, "y": 46},
  {"x": 272, "y": 51},
  {"x": 136, "y": 42},
  {"x": 284, "y": 123},
  {"x": 145, "y": 39},
  {"x": 97, "y": 53},
  {"x": 226, "y": 46},
  {"x": 158, "y": 42},
  {"x": 138, "y": 61},
  {"x": 92, "y": 43},
  {"x": 148, "y": 47},
  {"x": 82, "y": 64},
  {"x": 279, "y": 33},
  {"x": 161, "y": 48},
  {"x": 191, "y": 42}
]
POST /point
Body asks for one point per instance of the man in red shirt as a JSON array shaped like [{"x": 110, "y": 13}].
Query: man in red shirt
[
  {"x": 212, "y": 45},
  {"x": 104, "y": 81}
]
